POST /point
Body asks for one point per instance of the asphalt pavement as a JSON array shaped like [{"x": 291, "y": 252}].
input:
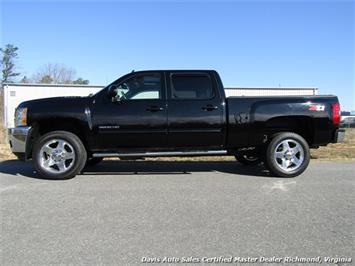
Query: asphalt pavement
[{"x": 127, "y": 213}]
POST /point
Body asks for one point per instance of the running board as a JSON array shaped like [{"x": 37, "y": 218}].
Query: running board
[{"x": 160, "y": 154}]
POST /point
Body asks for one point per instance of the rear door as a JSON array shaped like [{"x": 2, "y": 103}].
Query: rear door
[{"x": 195, "y": 111}]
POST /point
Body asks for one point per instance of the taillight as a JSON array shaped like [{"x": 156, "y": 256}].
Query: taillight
[{"x": 336, "y": 113}]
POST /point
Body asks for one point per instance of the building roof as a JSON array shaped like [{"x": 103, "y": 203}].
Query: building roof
[
  {"x": 51, "y": 85},
  {"x": 101, "y": 86},
  {"x": 271, "y": 88}
]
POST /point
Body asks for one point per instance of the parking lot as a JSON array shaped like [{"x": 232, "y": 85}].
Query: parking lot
[{"x": 119, "y": 212}]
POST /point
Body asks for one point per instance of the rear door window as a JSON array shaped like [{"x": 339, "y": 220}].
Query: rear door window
[{"x": 196, "y": 86}]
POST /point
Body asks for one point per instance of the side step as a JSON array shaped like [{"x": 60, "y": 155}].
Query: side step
[{"x": 161, "y": 154}]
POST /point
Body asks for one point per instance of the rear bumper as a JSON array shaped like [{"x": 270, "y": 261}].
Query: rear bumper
[
  {"x": 339, "y": 135},
  {"x": 18, "y": 137}
]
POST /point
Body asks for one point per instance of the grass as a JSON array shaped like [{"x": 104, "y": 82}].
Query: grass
[
  {"x": 334, "y": 152},
  {"x": 338, "y": 151},
  {"x": 2, "y": 135}
]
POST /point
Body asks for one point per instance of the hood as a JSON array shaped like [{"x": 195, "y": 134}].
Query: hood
[
  {"x": 55, "y": 108},
  {"x": 55, "y": 101}
]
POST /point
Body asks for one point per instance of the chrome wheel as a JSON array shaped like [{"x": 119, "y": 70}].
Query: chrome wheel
[
  {"x": 289, "y": 155},
  {"x": 57, "y": 156}
]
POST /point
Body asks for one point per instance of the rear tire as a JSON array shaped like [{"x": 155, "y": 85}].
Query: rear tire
[
  {"x": 287, "y": 155},
  {"x": 59, "y": 155}
]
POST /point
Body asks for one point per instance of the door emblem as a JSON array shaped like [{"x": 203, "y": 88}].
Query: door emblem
[{"x": 109, "y": 127}]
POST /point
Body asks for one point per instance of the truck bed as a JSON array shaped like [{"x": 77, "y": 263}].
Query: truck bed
[{"x": 250, "y": 119}]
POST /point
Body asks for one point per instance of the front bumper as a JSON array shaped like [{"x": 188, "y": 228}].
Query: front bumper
[
  {"x": 18, "y": 139},
  {"x": 339, "y": 135}
]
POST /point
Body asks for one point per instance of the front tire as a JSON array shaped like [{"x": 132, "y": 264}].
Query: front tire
[
  {"x": 59, "y": 155},
  {"x": 287, "y": 155}
]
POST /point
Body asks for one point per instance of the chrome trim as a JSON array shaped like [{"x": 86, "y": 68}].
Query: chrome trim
[
  {"x": 196, "y": 130},
  {"x": 155, "y": 154},
  {"x": 17, "y": 138}
]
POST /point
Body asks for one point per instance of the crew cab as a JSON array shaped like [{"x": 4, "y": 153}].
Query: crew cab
[{"x": 172, "y": 113}]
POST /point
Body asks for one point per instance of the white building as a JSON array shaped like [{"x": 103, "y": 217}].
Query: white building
[
  {"x": 267, "y": 91},
  {"x": 15, "y": 93}
]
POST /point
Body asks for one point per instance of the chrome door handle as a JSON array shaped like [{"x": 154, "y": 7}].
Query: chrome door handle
[
  {"x": 154, "y": 109},
  {"x": 209, "y": 107}
]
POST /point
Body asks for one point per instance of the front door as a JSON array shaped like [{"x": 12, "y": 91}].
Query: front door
[
  {"x": 195, "y": 115},
  {"x": 136, "y": 117}
]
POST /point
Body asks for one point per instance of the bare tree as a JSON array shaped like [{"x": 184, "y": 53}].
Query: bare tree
[{"x": 55, "y": 73}]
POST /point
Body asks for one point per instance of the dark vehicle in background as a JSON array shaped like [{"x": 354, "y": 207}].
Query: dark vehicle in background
[
  {"x": 172, "y": 113},
  {"x": 348, "y": 122}
]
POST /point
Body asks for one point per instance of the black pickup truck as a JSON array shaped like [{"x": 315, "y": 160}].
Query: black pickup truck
[{"x": 172, "y": 113}]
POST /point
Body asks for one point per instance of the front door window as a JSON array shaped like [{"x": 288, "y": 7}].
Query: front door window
[{"x": 140, "y": 87}]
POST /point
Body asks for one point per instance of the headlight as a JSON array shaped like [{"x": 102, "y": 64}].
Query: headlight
[{"x": 21, "y": 117}]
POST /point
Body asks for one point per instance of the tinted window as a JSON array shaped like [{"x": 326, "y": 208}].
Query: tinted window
[
  {"x": 191, "y": 87},
  {"x": 140, "y": 87}
]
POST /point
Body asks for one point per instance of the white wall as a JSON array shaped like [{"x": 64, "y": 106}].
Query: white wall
[
  {"x": 14, "y": 94},
  {"x": 270, "y": 91}
]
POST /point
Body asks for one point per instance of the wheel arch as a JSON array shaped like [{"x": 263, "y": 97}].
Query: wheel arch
[
  {"x": 45, "y": 126},
  {"x": 301, "y": 125}
]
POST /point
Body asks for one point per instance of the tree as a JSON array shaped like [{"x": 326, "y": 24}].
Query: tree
[
  {"x": 54, "y": 73},
  {"x": 47, "y": 79},
  {"x": 57, "y": 74},
  {"x": 25, "y": 80},
  {"x": 9, "y": 54},
  {"x": 81, "y": 81}
]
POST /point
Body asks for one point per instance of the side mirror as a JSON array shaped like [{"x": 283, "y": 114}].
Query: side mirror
[{"x": 112, "y": 91}]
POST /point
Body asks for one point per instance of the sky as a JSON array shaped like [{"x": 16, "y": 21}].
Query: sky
[{"x": 250, "y": 43}]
